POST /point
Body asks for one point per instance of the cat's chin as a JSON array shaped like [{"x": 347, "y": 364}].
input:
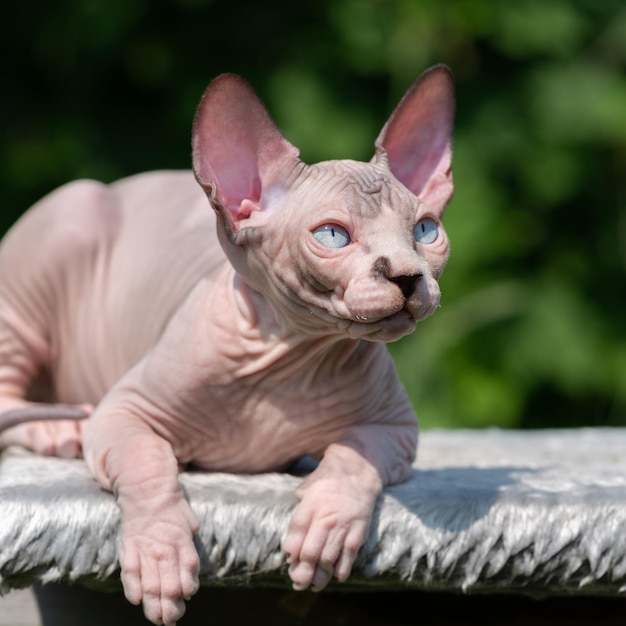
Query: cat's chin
[{"x": 385, "y": 330}]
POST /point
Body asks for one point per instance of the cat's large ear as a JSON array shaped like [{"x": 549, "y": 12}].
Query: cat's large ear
[
  {"x": 238, "y": 152},
  {"x": 417, "y": 138}
]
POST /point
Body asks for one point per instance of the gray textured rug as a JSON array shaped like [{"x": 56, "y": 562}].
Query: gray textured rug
[{"x": 541, "y": 511}]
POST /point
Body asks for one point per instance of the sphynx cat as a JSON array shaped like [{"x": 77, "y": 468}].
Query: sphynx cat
[{"x": 240, "y": 345}]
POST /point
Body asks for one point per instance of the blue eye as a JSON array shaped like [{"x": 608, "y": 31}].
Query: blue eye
[
  {"x": 426, "y": 231},
  {"x": 332, "y": 236}
]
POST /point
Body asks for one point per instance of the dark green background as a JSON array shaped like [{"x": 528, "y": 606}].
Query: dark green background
[{"x": 532, "y": 331}]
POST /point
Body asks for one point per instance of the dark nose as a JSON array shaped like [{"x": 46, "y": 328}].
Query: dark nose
[{"x": 406, "y": 283}]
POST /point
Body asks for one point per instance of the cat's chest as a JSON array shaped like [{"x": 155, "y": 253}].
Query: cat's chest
[
  {"x": 240, "y": 396},
  {"x": 266, "y": 426}
]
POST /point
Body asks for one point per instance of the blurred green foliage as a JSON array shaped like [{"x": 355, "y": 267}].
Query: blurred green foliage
[{"x": 532, "y": 330}]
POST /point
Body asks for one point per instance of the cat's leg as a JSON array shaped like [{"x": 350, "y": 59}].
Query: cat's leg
[
  {"x": 337, "y": 501},
  {"x": 333, "y": 518},
  {"x": 158, "y": 558},
  {"x": 49, "y": 429}
]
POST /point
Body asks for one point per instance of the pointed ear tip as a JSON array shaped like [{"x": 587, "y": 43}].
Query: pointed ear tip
[
  {"x": 439, "y": 80},
  {"x": 441, "y": 73},
  {"x": 443, "y": 68},
  {"x": 228, "y": 77},
  {"x": 222, "y": 86},
  {"x": 225, "y": 83}
]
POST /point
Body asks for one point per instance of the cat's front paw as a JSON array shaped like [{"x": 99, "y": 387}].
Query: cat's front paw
[
  {"x": 326, "y": 531},
  {"x": 160, "y": 567}
]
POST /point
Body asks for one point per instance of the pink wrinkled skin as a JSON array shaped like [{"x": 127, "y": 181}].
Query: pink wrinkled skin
[{"x": 237, "y": 342}]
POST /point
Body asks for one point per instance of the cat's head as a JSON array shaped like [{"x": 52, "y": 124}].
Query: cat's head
[{"x": 339, "y": 246}]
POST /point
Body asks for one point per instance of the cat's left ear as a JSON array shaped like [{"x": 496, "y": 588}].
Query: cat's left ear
[
  {"x": 417, "y": 138},
  {"x": 238, "y": 152}
]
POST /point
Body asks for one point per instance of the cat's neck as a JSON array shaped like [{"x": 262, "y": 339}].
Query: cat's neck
[{"x": 273, "y": 337}]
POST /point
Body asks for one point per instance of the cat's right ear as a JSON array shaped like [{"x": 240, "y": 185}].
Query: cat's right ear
[
  {"x": 238, "y": 151},
  {"x": 416, "y": 141}
]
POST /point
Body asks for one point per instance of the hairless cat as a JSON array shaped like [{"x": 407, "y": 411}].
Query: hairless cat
[{"x": 236, "y": 344}]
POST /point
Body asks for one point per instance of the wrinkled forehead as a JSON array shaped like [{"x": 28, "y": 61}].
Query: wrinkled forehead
[{"x": 364, "y": 188}]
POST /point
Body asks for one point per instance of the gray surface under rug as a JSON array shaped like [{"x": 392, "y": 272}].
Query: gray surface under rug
[{"x": 511, "y": 511}]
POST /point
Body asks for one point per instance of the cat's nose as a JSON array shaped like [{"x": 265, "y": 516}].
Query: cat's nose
[{"x": 406, "y": 283}]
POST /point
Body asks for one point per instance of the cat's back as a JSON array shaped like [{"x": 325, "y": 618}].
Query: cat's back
[
  {"x": 98, "y": 270},
  {"x": 166, "y": 242}
]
